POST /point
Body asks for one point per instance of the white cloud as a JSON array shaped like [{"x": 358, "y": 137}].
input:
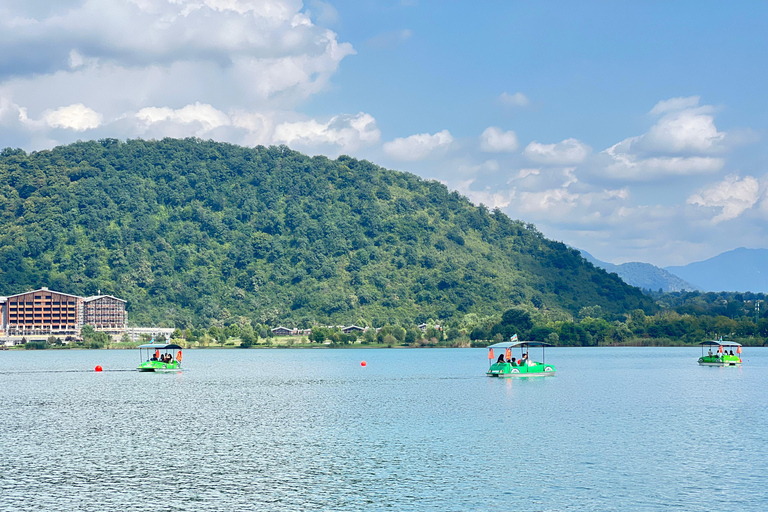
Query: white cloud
[
  {"x": 494, "y": 140},
  {"x": 517, "y": 99},
  {"x": 683, "y": 142},
  {"x": 623, "y": 164},
  {"x": 76, "y": 117},
  {"x": 165, "y": 67},
  {"x": 733, "y": 195},
  {"x": 347, "y": 131},
  {"x": 524, "y": 173},
  {"x": 690, "y": 130},
  {"x": 567, "y": 152},
  {"x": 418, "y": 147},
  {"x": 491, "y": 199},
  {"x": 675, "y": 104},
  {"x": 205, "y": 115}
]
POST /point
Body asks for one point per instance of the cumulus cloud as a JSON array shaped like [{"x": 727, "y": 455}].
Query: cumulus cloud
[
  {"x": 675, "y": 104},
  {"x": 76, "y": 117},
  {"x": 190, "y": 66},
  {"x": 683, "y": 141},
  {"x": 567, "y": 152},
  {"x": 494, "y": 140},
  {"x": 347, "y": 131},
  {"x": 490, "y": 198},
  {"x": 517, "y": 99},
  {"x": 732, "y": 195},
  {"x": 623, "y": 164},
  {"x": 418, "y": 147},
  {"x": 205, "y": 115}
]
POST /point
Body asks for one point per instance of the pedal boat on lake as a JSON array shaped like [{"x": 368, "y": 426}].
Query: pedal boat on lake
[
  {"x": 721, "y": 357},
  {"x": 151, "y": 356},
  {"x": 522, "y": 367}
]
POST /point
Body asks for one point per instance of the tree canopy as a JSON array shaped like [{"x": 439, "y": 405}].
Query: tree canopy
[{"x": 194, "y": 233}]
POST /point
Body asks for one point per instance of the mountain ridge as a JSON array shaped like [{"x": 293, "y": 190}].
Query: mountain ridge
[
  {"x": 643, "y": 275},
  {"x": 737, "y": 270},
  {"x": 195, "y": 232}
]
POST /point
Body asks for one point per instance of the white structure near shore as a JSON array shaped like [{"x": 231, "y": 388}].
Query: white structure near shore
[{"x": 158, "y": 333}]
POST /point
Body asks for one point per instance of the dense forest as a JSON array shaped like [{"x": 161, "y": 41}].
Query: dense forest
[
  {"x": 683, "y": 318},
  {"x": 197, "y": 233}
]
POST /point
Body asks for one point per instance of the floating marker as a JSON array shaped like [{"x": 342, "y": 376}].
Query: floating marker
[
  {"x": 98, "y": 368},
  {"x": 363, "y": 363}
]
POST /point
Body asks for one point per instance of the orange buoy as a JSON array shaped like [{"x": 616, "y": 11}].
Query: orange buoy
[
  {"x": 98, "y": 368},
  {"x": 363, "y": 363}
]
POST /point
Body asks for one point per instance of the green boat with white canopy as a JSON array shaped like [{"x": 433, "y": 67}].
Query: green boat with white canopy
[
  {"x": 723, "y": 356},
  {"x": 507, "y": 366},
  {"x": 160, "y": 357}
]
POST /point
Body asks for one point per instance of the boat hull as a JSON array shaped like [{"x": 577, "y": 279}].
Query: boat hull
[
  {"x": 728, "y": 363},
  {"x": 508, "y": 370},
  {"x": 158, "y": 367},
  {"x": 727, "y": 360}
]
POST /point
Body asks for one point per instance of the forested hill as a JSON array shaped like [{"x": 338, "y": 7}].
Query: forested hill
[{"x": 191, "y": 232}]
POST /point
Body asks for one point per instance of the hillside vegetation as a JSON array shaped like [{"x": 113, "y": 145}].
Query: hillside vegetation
[{"x": 195, "y": 232}]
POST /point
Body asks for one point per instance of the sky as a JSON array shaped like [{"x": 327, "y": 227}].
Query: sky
[{"x": 633, "y": 130}]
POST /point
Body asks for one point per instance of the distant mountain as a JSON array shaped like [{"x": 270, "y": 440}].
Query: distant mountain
[
  {"x": 739, "y": 270},
  {"x": 643, "y": 275}
]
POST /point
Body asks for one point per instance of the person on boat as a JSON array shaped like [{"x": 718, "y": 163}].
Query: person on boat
[
  {"x": 500, "y": 359},
  {"x": 524, "y": 360},
  {"x": 710, "y": 352},
  {"x": 153, "y": 358},
  {"x": 731, "y": 352}
]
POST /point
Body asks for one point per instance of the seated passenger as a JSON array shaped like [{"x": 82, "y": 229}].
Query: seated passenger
[
  {"x": 731, "y": 352},
  {"x": 500, "y": 359}
]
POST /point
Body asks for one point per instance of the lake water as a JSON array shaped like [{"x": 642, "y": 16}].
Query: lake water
[{"x": 414, "y": 430}]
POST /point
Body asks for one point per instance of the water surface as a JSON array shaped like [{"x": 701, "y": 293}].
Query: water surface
[{"x": 414, "y": 430}]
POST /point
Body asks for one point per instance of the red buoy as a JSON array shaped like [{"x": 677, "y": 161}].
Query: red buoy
[
  {"x": 98, "y": 368},
  {"x": 363, "y": 363}
]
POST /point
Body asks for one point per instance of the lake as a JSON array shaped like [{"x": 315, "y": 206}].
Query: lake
[{"x": 414, "y": 430}]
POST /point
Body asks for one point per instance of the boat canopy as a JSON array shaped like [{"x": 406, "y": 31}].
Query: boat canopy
[
  {"x": 721, "y": 343},
  {"x": 509, "y": 344},
  {"x": 161, "y": 346}
]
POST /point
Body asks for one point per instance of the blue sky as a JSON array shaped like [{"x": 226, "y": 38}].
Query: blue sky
[{"x": 633, "y": 130}]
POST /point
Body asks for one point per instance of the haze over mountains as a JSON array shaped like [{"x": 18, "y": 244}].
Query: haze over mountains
[
  {"x": 643, "y": 275},
  {"x": 739, "y": 270}
]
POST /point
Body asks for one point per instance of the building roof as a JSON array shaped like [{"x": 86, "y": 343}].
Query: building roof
[
  {"x": 44, "y": 290},
  {"x": 95, "y": 297}
]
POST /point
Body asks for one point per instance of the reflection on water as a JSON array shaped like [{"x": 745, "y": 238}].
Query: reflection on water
[{"x": 417, "y": 429}]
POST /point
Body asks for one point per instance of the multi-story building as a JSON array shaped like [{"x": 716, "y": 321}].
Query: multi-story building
[
  {"x": 43, "y": 312},
  {"x": 105, "y": 313}
]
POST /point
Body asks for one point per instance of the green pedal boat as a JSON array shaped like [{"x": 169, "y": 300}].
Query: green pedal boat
[
  {"x": 158, "y": 357},
  {"x": 507, "y": 366},
  {"x": 724, "y": 356}
]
